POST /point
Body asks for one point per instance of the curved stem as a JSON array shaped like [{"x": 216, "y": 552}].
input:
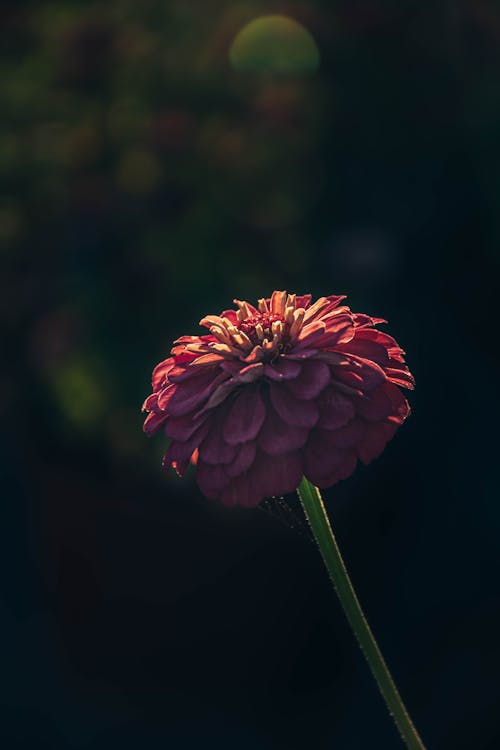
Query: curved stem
[{"x": 320, "y": 525}]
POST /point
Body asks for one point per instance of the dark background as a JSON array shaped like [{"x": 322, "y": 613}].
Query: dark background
[{"x": 145, "y": 183}]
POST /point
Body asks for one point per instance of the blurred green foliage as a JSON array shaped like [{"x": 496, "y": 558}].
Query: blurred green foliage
[{"x": 139, "y": 171}]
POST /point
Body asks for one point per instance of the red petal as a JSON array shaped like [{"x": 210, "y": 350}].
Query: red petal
[
  {"x": 214, "y": 449},
  {"x": 377, "y": 437},
  {"x": 292, "y": 410},
  {"x": 211, "y": 479},
  {"x": 365, "y": 349},
  {"x": 277, "y": 436},
  {"x": 153, "y": 422},
  {"x": 335, "y": 409},
  {"x": 246, "y": 416},
  {"x": 282, "y": 369},
  {"x": 275, "y": 475},
  {"x": 386, "y": 402},
  {"x": 314, "y": 377},
  {"x": 160, "y": 372},
  {"x": 322, "y": 459},
  {"x": 190, "y": 394},
  {"x": 349, "y": 435},
  {"x": 181, "y": 428},
  {"x": 243, "y": 461},
  {"x": 303, "y": 300}
]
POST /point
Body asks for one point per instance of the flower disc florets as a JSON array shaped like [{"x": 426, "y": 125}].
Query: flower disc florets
[{"x": 278, "y": 391}]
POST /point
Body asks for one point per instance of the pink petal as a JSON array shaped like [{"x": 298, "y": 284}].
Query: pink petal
[
  {"x": 151, "y": 403},
  {"x": 322, "y": 459},
  {"x": 153, "y": 422},
  {"x": 314, "y": 377},
  {"x": 317, "y": 310},
  {"x": 276, "y": 475},
  {"x": 249, "y": 373},
  {"x": 214, "y": 449},
  {"x": 343, "y": 471},
  {"x": 191, "y": 394},
  {"x": 298, "y": 353},
  {"x": 183, "y": 451},
  {"x": 239, "y": 491},
  {"x": 339, "y": 330},
  {"x": 246, "y": 416},
  {"x": 181, "y": 428},
  {"x": 183, "y": 372},
  {"x": 165, "y": 395},
  {"x": 277, "y": 436},
  {"x": 386, "y": 402},
  {"x": 211, "y": 479},
  {"x": 282, "y": 369},
  {"x": 371, "y": 373},
  {"x": 160, "y": 372},
  {"x": 349, "y": 435},
  {"x": 243, "y": 460},
  {"x": 376, "y": 438},
  {"x": 221, "y": 392},
  {"x": 379, "y": 337},
  {"x": 335, "y": 409},
  {"x": 366, "y": 349},
  {"x": 312, "y": 333},
  {"x": 303, "y": 300},
  {"x": 294, "y": 411}
]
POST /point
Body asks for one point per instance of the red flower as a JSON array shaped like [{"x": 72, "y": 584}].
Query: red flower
[{"x": 276, "y": 392}]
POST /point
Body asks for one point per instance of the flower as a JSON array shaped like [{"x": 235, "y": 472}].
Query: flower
[{"x": 278, "y": 391}]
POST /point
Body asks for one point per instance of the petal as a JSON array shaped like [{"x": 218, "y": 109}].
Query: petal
[
  {"x": 214, "y": 449},
  {"x": 151, "y": 404},
  {"x": 311, "y": 333},
  {"x": 314, "y": 377},
  {"x": 322, "y": 459},
  {"x": 292, "y": 410},
  {"x": 211, "y": 479},
  {"x": 278, "y": 302},
  {"x": 338, "y": 330},
  {"x": 303, "y": 300},
  {"x": 275, "y": 475},
  {"x": 183, "y": 372},
  {"x": 366, "y": 349},
  {"x": 160, "y": 372},
  {"x": 190, "y": 394},
  {"x": 349, "y": 435},
  {"x": 165, "y": 395},
  {"x": 277, "y": 436},
  {"x": 239, "y": 491},
  {"x": 249, "y": 373},
  {"x": 298, "y": 353},
  {"x": 386, "y": 402},
  {"x": 376, "y": 438},
  {"x": 153, "y": 422},
  {"x": 371, "y": 374},
  {"x": 243, "y": 460},
  {"x": 335, "y": 409},
  {"x": 342, "y": 471},
  {"x": 181, "y": 428},
  {"x": 178, "y": 451},
  {"x": 246, "y": 416},
  {"x": 282, "y": 369}
]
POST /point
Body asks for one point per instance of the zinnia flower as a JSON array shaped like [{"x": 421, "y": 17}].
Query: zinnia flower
[{"x": 276, "y": 392}]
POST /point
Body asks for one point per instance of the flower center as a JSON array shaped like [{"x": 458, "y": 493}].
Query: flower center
[{"x": 263, "y": 326}]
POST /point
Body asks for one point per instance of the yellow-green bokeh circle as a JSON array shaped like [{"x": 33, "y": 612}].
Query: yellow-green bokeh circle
[{"x": 274, "y": 44}]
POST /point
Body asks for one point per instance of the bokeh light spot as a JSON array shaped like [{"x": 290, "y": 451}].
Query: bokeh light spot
[{"x": 274, "y": 44}]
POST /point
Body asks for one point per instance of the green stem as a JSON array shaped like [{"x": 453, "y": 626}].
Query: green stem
[{"x": 318, "y": 519}]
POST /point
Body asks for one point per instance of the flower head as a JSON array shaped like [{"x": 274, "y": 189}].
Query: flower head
[{"x": 277, "y": 391}]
